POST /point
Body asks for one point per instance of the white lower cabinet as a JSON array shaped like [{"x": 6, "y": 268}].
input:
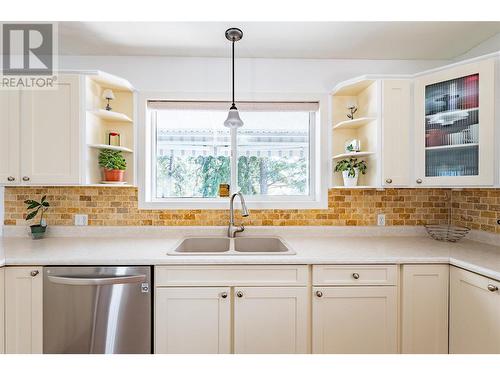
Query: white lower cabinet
[
  {"x": 271, "y": 320},
  {"x": 233, "y": 309},
  {"x": 474, "y": 313},
  {"x": 355, "y": 319},
  {"x": 2, "y": 310},
  {"x": 23, "y": 310},
  {"x": 424, "y": 318},
  {"x": 193, "y": 320}
]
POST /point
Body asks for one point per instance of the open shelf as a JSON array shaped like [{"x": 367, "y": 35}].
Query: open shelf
[
  {"x": 353, "y": 155},
  {"x": 111, "y": 116},
  {"x": 352, "y": 87},
  {"x": 108, "y": 147},
  {"x": 111, "y": 81},
  {"x": 354, "y": 124}
]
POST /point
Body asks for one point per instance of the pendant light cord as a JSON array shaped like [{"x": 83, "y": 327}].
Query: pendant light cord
[{"x": 233, "y": 105}]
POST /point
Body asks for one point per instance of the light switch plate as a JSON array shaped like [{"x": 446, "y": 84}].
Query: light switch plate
[
  {"x": 81, "y": 220},
  {"x": 381, "y": 220}
]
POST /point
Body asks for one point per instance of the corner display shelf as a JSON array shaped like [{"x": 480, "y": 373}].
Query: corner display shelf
[
  {"x": 353, "y": 155},
  {"x": 364, "y": 93},
  {"x": 354, "y": 124},
  {"x": 100, "y": 122},
  {"x": 108, "y": 147},
  {"x": 111, "y": 116}
]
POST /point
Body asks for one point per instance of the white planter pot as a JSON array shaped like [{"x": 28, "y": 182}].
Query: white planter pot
[{"x": 350, "y": 181}]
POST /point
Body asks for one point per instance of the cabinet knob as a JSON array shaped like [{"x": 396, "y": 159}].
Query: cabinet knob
[
  {"x": 11, "y": 178},
  {"x": 319, "y": 294},
  {"x": 223, "y": 295},
  {"x": 389, "y": 180},
  {"x": 34, "y": 273},
  {"x": 492, "y": 288},
  {"x": 355, "y": 275},
  {"x": 26, "y": 178},
  {"x": 239, "y": 294},
  {"x": 419, "y": 180}
]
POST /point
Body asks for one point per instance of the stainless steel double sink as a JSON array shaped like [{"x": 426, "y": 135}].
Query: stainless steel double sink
[{"x": 232, "y": 246}]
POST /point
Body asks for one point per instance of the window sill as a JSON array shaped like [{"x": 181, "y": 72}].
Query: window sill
[{"x": 223, "y": 204}]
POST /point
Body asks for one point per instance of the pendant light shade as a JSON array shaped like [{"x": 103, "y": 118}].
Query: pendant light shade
[{"x": 233, "y": 120}]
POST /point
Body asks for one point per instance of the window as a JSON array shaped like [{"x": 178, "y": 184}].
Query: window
[{"x": 270, "y": 159}]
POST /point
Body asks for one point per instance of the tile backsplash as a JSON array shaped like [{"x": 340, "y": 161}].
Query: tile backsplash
[
  {"x": 109, "y": 206},
  {"x": 476, "y": 209}
]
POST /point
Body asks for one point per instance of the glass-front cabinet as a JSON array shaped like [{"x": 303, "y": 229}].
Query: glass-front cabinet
[{"x": 454, "y": 119}]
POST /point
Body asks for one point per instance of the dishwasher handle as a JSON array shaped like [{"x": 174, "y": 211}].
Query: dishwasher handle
[{"x": 82, "y": 281}]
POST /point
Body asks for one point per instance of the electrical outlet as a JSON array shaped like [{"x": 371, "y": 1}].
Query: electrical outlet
[
  {"x": 81, "y": 220},
  {"x": 381, "y": 219}
]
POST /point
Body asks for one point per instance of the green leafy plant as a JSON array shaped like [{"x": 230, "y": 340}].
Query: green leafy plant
[
  {"x": 36, "y": 207},
  {"x": 351, "y": 165},
  {"x": 112, "y": 159}
]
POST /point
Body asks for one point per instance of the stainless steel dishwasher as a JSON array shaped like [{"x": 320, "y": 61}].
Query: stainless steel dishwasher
[{"x": 97, "y": 310}]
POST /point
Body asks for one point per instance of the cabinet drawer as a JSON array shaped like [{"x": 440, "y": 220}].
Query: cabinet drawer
[
  {"x": 231, "y": 275},
  {"x": 381, "y": 274}
]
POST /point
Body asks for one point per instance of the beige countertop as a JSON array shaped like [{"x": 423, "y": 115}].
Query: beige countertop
[{"x": 313, "y": 248}]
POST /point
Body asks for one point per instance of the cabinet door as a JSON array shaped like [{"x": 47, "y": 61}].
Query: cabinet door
[
  {"x": 454, "y": 119},
  {"x": 425, "y": 309},
  {"x": 192, "y": 321},
  {"x": 396, "y": 133},
  {"x": 355, "y": 320},
  {"x": 270, "y": 320},
  {"x": 9, "y": 137},
  {"x": 23, "y": 310},
  {"x": 474, "y": 313},
  {"x": 2, "y": 310},
  {"x": 50, "y": 137}
]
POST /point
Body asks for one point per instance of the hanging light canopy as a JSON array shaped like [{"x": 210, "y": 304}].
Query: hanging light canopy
[{"x": 233, "y": 117}]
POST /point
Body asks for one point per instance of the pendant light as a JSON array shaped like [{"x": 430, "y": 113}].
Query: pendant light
[{"x": 233, "y": 120}]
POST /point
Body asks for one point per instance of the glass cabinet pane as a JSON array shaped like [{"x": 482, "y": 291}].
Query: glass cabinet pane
[{"x": 452, "y": 127}]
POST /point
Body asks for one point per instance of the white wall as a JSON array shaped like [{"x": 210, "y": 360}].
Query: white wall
[{"x": 252, "y": 75}]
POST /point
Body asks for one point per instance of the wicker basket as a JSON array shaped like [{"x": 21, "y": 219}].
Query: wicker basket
[{"x": 448, "y": 233}]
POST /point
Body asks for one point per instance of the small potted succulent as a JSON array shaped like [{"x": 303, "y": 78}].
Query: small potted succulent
[
  {"x": 113, "y": 164},
  {"x": 37, "y": 230},
  {"x": 351, "y": 168}
]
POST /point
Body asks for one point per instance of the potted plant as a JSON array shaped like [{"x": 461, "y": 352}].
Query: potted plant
[
  {"x": 113, "y": 164},
  {"x": 351, "y": 168},
  {"x": 37, "y": 230}
]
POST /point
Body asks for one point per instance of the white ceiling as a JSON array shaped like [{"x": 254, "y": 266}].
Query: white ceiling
[{"x": 322, "y": 40}]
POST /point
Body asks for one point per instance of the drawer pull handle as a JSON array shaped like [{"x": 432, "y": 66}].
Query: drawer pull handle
[
  {"x": 492, "y": 288},
  {"x": 319, "y": 294},
  {"x": 419, "y": 180},
  {"x": 389, "y": 180},
  {"x": 11, "y": 178},
  {"x": 34, "y": 273},
  {"x": 223, "y": 295},
  {"x": 239, "y": 294},
  {"x": 355, "y": 275},
  {"x": 26, "y": 178}
]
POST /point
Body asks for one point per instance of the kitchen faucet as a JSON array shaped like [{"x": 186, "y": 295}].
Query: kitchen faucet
[{"x": 233, "y": 229}]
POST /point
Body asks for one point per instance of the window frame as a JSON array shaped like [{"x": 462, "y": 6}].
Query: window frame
[{"x": 320, "y": 166}]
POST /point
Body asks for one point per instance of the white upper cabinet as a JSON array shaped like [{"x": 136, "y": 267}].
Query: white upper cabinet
[
  {"x": 454, "y": 126},
  {"x": 9, "y": 137},
  {"x": 50, "y": 133},
  {"x": 396, "y": 120}
]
